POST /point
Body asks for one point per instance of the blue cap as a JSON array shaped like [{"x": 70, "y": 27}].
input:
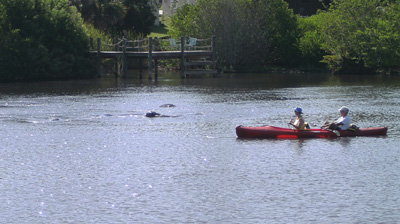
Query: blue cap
[{"x": 298, "y": 109}]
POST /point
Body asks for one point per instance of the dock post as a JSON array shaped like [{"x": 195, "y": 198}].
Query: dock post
[
  {"x": 91, "y": 43},
  {"x": 124, "y": 61},
  {"x": 116, "y": 60},
  {"x": 183, "y": 57},
  {"x": 99, "y": 55},
  {"x": 140, "y": 68},
  {"x": 140, "y": 59},
  {"x": 155, "y": 69},
  {"x": 156, "y": 48},
  {"x": 98, "y": 47},
  {"x": 150, "y": 58},
  {"x": 214, "y": 56}
]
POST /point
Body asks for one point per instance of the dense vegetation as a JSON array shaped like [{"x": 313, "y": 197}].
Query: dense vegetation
[
  {"x": 247, "y": 32},
  {"x": 42, "y": 40},
  {"x": 361, "y": 35},
  {"x": 350, "y": 36},
  {"x": 115, "y": 16},
  {"x": 49, "y": 39}
]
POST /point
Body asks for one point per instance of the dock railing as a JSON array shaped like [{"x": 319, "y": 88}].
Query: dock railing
[{"x": 153, "y": 49}]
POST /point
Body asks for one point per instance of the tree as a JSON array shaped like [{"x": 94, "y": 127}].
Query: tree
[
  {"x": 139, "y": 17},
  {"x": 184, "y": 21},
  {"x": 248, "y": 32},
  {"x": 362, "y": 35},
  {"x": 117, "y": 15},
  {"x": 47, "y": 43},
  {"x": 310, "y": 42},
  {"x": 103, "y": 14}
]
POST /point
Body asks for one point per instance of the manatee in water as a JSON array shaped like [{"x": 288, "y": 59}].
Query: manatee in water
[
  {"x": 168, "y": 105},
  {"x": 155, "y": 114},
  {"x": 152, "y": 114}
]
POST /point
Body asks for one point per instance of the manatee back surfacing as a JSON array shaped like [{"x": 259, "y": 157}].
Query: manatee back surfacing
[
  {"x": 152, "y": 114},
  {"x": 168, "y": 105}
]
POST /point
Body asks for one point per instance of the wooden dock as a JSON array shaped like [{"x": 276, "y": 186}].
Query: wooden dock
[{"x": 196, "y": 56}]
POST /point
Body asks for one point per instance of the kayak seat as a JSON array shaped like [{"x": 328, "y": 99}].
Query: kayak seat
[{"x": 353, "y": 128}]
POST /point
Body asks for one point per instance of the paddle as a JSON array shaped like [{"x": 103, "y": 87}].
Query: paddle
[{"x": 337, "y": 133}]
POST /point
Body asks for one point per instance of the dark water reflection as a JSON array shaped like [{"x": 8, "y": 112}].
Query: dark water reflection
[{"x": 83, "y": 151}]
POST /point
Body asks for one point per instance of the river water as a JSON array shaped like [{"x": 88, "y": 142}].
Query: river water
[{"x": 83, "y": 151}]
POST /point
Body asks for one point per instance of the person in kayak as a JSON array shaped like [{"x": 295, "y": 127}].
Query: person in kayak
[
  {"x": 299, "y": 124},
  {"x": 342, "y": 123}
]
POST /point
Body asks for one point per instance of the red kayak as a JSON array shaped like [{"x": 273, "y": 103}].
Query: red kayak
[{"x": 283, "y": 133}]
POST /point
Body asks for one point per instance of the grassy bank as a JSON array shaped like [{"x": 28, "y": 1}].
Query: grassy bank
[{"x": 162, "y": 30}]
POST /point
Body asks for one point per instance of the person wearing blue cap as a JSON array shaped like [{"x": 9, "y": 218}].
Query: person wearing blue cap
[{"x": 299, "y": 124}]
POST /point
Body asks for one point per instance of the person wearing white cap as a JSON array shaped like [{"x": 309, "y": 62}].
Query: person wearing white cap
[
  {"x": 299, "y": 124},
  {"x": 343, "y": 123}
]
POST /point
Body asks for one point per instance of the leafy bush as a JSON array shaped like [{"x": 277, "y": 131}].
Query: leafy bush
[
  {"x": 362, "y": 34},
  {"x": 115, "y": 16},
  {"x": 247, "y": 32},
  {"x": 352, "y": 36},
  {"x": 48, "y": 42},
  {"x": 310, "y": 42}
]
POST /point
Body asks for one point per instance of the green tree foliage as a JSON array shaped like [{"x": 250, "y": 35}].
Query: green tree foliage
[
  {"x": 42, "y": 40},
  {"x": 359, "y": 34},
  {"x": 248, "y": 32},
  {"x": 117, "y": 15},
  {"x": 184, "y": 21},
  {"x": 103, "y": 14},
  {"x": 139, "y": 17},
  {"x": 310, "y": 42}
]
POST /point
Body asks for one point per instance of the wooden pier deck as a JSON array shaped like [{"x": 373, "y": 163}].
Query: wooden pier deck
[
  {"x": 191, "y": 54},
  {"x": 155, "y": 54}
]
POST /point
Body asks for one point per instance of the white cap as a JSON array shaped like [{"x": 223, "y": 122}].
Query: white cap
[{"x": 344, "y": 109}]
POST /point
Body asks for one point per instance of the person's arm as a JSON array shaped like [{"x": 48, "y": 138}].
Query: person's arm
[
  {"x": 343, "y": 121},
  {"x": 301, "y": 122},
  {"x": 339, "y": 121}
]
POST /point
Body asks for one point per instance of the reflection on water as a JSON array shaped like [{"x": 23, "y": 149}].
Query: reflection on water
[
  {"x": 84, "y": 151},
  {"x": 222, "y": 82}
]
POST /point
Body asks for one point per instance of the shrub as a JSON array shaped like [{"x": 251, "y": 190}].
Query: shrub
[
  {"x": 247, "y": 32},
  {"x": 49, "y": 42},
  {"x": 362, "y": 34}
]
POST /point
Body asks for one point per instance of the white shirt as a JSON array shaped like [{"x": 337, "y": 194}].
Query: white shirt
[{"x": 346, "y": 122}]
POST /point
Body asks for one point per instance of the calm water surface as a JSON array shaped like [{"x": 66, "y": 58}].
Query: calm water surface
[{"x": 83, "y": 151}]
